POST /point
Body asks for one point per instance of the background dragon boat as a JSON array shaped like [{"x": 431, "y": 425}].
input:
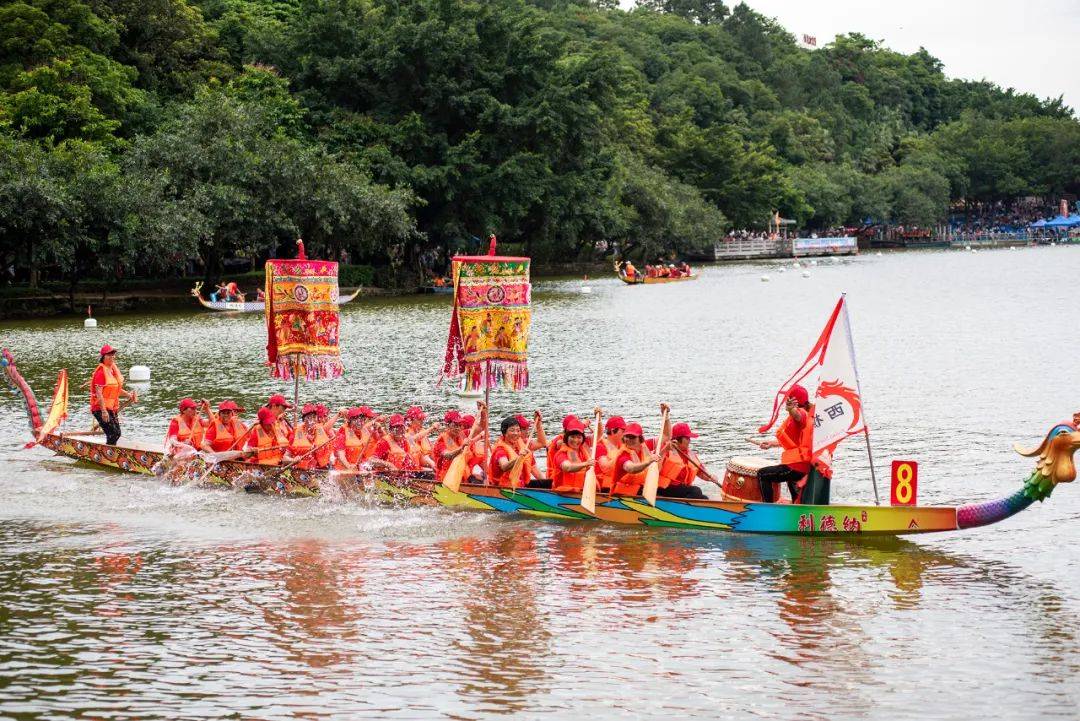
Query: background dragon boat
[
  {"x": 249, "y": 306},
  {"x": 645, "y": 280},
  {"x": 1054, "y": 465}
]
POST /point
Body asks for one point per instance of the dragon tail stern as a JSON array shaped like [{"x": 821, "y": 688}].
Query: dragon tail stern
[{"x": 20, "y": 386}]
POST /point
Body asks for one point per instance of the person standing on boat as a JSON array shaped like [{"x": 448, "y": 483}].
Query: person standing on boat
[
  {"x": 106, "y": 387},
  {"x": 225, "y": 431},
  {"x": 309, "y": 444},
  {"x": 571, "y": 461},
  {"x": 185, "y": 429},
  {"x": 630, "y": 271},
  {"x": 679, "y": 466},
  {"x": 266, "y": 440},
  {"x": 795, "y": 437},
  {"x": 607, "y": 451},
  {"x": 633, "y": 460}
]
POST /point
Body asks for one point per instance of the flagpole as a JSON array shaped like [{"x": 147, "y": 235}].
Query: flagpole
[{"x": 858, "y": 383}]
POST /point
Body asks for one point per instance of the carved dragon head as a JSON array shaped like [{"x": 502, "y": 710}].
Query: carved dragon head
[{"x": 1055, "y": 464}]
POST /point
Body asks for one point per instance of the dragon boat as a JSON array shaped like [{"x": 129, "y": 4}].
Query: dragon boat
[
  {"x": 1054, "y": 465},
  {"x": 646, "y": 280},
  {"x": 248, "y": 306}
]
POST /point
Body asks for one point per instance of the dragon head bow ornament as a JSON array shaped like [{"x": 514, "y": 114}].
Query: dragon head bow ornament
[{"x": 1055, "y": 464}]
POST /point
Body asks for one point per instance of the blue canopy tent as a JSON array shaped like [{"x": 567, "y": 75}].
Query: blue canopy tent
[
  {"x": 1040, "y": 223},
  {"x": 1063, "y": 222}
]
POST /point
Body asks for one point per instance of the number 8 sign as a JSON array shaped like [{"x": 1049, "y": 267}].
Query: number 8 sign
[{"x": 905, "y": 483}]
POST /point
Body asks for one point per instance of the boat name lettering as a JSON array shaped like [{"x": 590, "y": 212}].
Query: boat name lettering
[
  {"x": 828, "y": 523},
  {"x": 806, "y": 522},
  {"x": 852, "y": 525}
]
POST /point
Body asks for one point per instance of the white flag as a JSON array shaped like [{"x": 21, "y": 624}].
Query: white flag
[{"x": 838, "y": 398}]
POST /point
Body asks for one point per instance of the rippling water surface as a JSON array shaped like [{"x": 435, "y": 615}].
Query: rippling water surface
[{"x": 122, "y": 598}]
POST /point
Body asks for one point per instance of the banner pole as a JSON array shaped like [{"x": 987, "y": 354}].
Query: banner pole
[
  {"x": 296, "y": 392},
  {"x": 486, "y": 421},
  {"x": 858, "y": 382}
]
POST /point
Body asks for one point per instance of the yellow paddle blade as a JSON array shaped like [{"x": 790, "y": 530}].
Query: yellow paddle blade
[
  {"x": 652, "y": 483},
  {"x": 588, "y": 491},
  {"x": 456, "y": 472},
  {"x": 515, "y": 472}
]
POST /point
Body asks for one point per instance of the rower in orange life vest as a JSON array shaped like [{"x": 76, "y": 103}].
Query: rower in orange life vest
[
  {"x": 476, "y": 462},
  {"x": 106, "y": 387},
  {"x": 679, "y": 466},
  {"x": 185, "y": 430},
  {"x": 511, "y": 461},
  {"x": 607, "y": 451},
  {"x": 309, "y": 443},
  {"x": 571, "y": 461},
  {"x": 279, "y": 405},
  {"x": 420, "y": 435},
  {"x": 556, "y": 443},
  {"x": 224, "y": 432},
  {"x": 452, "y": 441},
  {"x": 355, "y": 443},
  {"x": 796, "y": 437},
  {"x": 632, "y": 462},
  {"x": 527, "y": 444},
  {"x": 266, "y": 440},
  {"x": 395, "y": 452}
]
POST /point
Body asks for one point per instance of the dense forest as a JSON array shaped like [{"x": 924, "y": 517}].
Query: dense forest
[{"x": 136, "y": 135}]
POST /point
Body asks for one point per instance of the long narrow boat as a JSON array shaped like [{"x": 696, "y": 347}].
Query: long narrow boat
[
  {"x": 1054, "y": 465},
  {"x": 248, "y": 306},
  {"x": 645, "y": 280}
]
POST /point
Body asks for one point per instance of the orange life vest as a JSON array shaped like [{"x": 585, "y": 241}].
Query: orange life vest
[
  {"x": 354, "y": 446},
  {"x": 265, "y": 443},
  {"x": 529, "y": 464},
  {"x": 496, "y": 475},
  {"x": 301, "y": 444},
  {"x": 403, "y": 459},
  {"x": 675, "y": 470},
  {"x": 192, "y": 435},
  {"x": 797, "y": 445},
  {"x": 110, "y": 392},
  {"x": 572, "y": 481},
  {"x": 629, "y": 484},
  {"x": 605, "y": 477},
  {"x": 225, "y": 436},
  {"x": 449, "y": 445}
]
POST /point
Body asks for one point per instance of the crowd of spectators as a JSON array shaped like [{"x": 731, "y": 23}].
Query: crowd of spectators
[{"x": 1002, "y": 217}]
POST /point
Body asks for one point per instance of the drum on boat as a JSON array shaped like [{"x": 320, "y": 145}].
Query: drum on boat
[{"x": 741, "y": 478}]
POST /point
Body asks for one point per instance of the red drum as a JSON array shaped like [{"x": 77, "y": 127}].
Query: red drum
[{"x": 741, "y": 481}]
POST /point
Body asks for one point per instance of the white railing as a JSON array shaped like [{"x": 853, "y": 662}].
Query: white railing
[{"x": 732, "y": 248}]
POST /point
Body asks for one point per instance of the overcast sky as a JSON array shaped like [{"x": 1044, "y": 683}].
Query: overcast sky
[{"x": 1032, "y": 46}]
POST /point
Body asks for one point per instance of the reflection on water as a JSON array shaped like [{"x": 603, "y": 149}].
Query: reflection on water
[{"x": 121, "y": 598}]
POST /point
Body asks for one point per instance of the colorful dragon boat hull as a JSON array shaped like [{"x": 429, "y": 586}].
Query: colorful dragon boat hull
[{"x": 649, "y": 281}]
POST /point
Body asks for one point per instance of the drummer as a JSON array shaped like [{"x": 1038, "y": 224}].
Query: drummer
[
  {"x": 185, "y": 429},
  {"x": 679, "y": 466},
  {"x": 266, "y": 440},
  {"x": 309, "y": 443},
  {"x": 225, "y": 431},
  {"x": 106, "y": 387},
  {"x": 795, "y": 437}
]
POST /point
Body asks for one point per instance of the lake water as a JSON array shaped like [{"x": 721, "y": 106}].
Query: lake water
[{"x": 122, "y": 598}]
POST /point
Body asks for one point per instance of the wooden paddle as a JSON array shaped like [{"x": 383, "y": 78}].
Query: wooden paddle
[
  {"x": 519, "y": 462},
  {"x": 457, "y": 471},
  {"x": 588, "y": 491},
  {"x": 652, "y": 473}
]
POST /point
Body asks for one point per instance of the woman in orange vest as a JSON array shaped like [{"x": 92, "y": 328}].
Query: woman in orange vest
[
  {"x": 395, "y": 452},
  {"x": 309, "y": 443},
  {"x": 607, "y": 452},
  {"x": 185, "y": 429},
  {"x": 224, "y": 432},
  {"x": 679, "y": 466},
  {"x": 419, "y": 434},
  {"x": 572, "y": 460},
  {"x": 527, "y": 444},
  {"x": 512, "y": 462},
  {"x": 266, "y": 440},
  {"x": 633, "y": 460},
  {"x": 795, "y": 437},
  {"x": 106, "y": 387},
  {"x": 452, "y": 441},
  {"x": 476, "y": 462},
  {"x": 355, "y": 443}
]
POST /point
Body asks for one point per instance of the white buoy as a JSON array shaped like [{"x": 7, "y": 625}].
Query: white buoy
[
  {"x": 806, "y": 274},
  {"x": 781, "y": 270},
  {"x": 813, "y": 262},
  {"x": 967, "y": 247},
  {"x": 880, "y": 253},
  {"x": 764, "y": 279},
  {"x": 90, "y": 323},
  {"x": 139, "y": 374},
  {"x": 796, "y": 265},
  {"x": 586, "y": 289}
]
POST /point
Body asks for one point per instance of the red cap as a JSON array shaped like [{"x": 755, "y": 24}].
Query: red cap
[
  {"x": 467, "y": 421},
  {"x": 573, "y": 425},
  {"x": 415, "y": 412},
  {"x": 799, "y": 394},
  {"x": 367, "y": 412},
  {"x": 615, "y": 423},
  {"x": 633, "y": 429},
  {"x": 107, "y": 349},
  {"x": 229, "y": 406},
  {"x": 452, "y": 417},
  {"x": 187, "y": 403},
  {"x": 397, "y": 420},
  {"x": 354, "y": 413},
  {"x": 267, "y": 416},
  {"x": 568, "y": 420},
  {"x": 322, "y": 409},
  {"x": 523, "y": 422},
  {"x": 682, "y": 430},
  {"x": 307, "y": 409},
  {"x": 278, "y": 400}
]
